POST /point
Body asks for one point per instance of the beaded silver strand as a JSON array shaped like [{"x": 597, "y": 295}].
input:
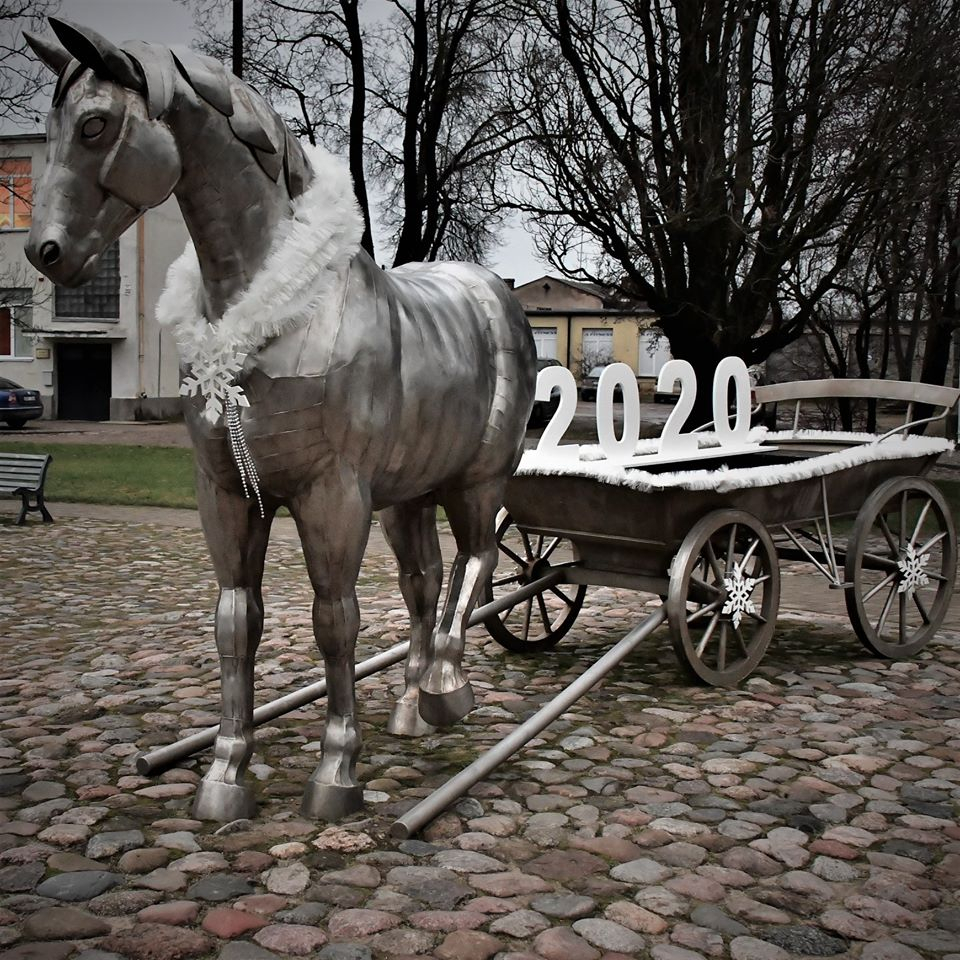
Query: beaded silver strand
[{"x": 242, "y": 456}]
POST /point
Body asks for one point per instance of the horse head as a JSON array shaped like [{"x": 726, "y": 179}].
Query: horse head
[{"x": 110, "y": 156}]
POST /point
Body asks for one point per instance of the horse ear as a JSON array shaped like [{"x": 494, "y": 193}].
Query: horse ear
[
  {"x": 49, "y": 52},
  {"x": 107, "y": 61}
]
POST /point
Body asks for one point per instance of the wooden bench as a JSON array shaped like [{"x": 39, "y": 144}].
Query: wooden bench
[
  {"x": 939, "y": 400},
  {"x": 23, "y": 475}
]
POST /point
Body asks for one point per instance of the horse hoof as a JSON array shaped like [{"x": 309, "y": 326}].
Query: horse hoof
[
  {"x": 330, "y": 801},
  {"x": 224, "y": 802},
  {"x": 405, "y": 720},
  {"x": 443, "y": 709}
]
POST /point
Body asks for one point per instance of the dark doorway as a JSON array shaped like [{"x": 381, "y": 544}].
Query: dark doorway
[{"x": 83, "y": 381}]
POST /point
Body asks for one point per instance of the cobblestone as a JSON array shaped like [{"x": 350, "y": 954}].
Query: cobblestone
[{"x": 810, "y": 813}]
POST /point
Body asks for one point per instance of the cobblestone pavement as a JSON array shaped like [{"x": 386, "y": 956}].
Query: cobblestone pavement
[{"x": 811, "y": 813}]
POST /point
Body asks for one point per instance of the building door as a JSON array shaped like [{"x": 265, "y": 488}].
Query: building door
[
  {"x": 83, "y": 381},
  {"x": 545, "y": 339}
]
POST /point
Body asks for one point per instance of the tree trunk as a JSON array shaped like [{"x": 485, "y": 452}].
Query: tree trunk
[{"x": 703, "y": 355}]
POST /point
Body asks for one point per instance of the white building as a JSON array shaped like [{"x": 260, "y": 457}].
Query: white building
[{"x": 94, "y": 352}]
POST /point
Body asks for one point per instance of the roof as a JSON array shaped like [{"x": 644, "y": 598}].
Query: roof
[
  {"x": 609, "y": 297},
  {"x": 37, "y": 137}
]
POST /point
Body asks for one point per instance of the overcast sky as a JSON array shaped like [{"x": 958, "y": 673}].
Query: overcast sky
[{"x": 167, "y": 21}]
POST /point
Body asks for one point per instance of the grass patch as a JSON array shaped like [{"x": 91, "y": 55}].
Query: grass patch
[
  {"x": 115, "y": 474},
  {"x": 163, "y": 476}
]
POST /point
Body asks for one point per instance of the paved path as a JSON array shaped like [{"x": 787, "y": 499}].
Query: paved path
[{"x": 811, "y": 813}]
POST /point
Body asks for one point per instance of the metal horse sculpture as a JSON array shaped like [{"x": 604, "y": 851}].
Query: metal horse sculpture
[{"x": 316, "y": 380}]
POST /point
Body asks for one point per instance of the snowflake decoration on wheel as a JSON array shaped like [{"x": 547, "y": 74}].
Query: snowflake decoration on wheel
[
  {"x": 911, "y": 566},
  {"x": 739, "y": 590}
]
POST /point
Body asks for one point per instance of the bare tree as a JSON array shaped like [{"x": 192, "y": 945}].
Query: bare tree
[
  {"x": 22, "y": 78},
  {"x": 410, "y": 97},
  {"x": 440, "y": 126},
  {"x": 895, "y": 299},
  {"x": 308, "y": 58},
  {"x": 706, "y": 146}
]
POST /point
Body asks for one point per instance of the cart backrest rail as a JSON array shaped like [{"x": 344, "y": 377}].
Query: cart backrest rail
[{"x": 943, "y": 399}]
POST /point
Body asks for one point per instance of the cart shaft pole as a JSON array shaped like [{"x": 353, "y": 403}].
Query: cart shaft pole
[
  {"x": 511, "y": 600},
  {"x": 164, "y": 757},
  {"x": 457, "y": 786}
]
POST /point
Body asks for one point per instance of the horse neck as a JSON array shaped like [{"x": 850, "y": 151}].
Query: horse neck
[{"x": 230, "y": 206}]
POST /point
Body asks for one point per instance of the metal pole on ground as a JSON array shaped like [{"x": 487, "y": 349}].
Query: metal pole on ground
[
  {"x": 457, "y": 786},
  {"x": 164, "y": 757}
]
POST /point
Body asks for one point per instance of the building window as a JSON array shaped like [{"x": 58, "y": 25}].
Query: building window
[
  {"x": 16, "y": 315},
  {"x": 16, "y": 193},
  {"x": 99, "y": 298},
  {"x": 654, "y": 353},
  {"x": 545, "y": 339},
  {"x": 597, "y": 346}
]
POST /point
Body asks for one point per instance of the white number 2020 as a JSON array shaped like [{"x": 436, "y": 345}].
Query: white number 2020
[{"x": 674, "y": 444}]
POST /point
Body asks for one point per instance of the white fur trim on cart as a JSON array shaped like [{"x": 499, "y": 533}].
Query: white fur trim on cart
[
  {"x": 865, "y": 449},
  {"x": 299, "y": 273}
]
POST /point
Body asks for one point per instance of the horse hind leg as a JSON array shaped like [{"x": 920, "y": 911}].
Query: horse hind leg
[
  {"x": 411, "y": 531},
  {"x": 334, "y": 522},
  {"x": 237, "y": 537},
  {"x": 445, "y": 694}
]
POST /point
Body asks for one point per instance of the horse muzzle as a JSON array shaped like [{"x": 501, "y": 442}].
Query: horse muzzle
[{"x": 51, "y": 255}]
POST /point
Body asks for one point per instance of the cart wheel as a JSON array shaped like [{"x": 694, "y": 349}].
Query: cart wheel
[
  {"x": 540, "y": 621},
  {"x": 901, "y": 561},
  {"x": 723, "y": 597}
]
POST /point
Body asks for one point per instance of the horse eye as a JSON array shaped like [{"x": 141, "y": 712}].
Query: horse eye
[{"x": 93, "y": 128}]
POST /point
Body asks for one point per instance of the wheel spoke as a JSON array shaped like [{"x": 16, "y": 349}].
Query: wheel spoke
[
  {"x": 539, "y": 552},
  {"x": 750, "y": 551},
  {"x": 759, "y": 617},
  {"x": 879, "y": 563},
  {"x": 544, "y": 615},
  {"x": 505, "y": 580},
  {"x": 516, "y": 558},
  {"x": 722, "y": 647},
  {"x": 528, "y": 610},
  {"x": 903, "y": 518},
  {"x": 875, "y": 590},
  {"x": 885, "y": 527},
  {"x": 567, "y": 600},
  {"x": 703, "y": 611},
  {"x": 886, "y": 609},
  {"x": 919, "y": 524},
  {"x": 526, "y": 545},
  {"x": 740, "y": 641},
  {"x": 902, "y": 625},
  {"x": 707, "y": 634},
  {"x": 920, "y": 607},
  {"x": 711, "y": 556},
  {"x": 708, "y": 588},
  {"x": 731, "y": 548},
  {"x": 554, "y": 543},
  {"x": 931, "y": 543}
]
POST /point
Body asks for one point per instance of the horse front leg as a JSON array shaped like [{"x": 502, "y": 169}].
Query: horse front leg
[
  {"x": 411, "y": 531},
  {"x": 445, "y": 694},
  {"x": 333, "y": 518},
  {"x": 237, "y": 537}
]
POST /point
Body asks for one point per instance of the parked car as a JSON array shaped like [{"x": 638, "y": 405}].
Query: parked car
[
  {"x": 588, "y": 389},
  {"x": 543, "y": 410},
  {"x": 18, "y": 405}
]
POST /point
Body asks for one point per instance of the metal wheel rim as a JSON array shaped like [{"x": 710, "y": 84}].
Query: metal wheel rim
[
  {"x": 895, "y": 610},
  {"x": 726, "y": 570},
  {"x": 541, "y": 621}
]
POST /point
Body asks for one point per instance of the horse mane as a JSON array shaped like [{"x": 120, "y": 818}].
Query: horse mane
[{"x": 253, "y": 121}]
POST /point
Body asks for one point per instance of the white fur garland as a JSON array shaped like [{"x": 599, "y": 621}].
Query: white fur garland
[{"x": 298, "y": 274}]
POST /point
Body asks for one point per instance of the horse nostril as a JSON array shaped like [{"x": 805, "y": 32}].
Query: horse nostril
[{"x": 50, "y": 253}]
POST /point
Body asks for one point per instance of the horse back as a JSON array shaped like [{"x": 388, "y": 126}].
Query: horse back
[{"x": 415, "y": 376}]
